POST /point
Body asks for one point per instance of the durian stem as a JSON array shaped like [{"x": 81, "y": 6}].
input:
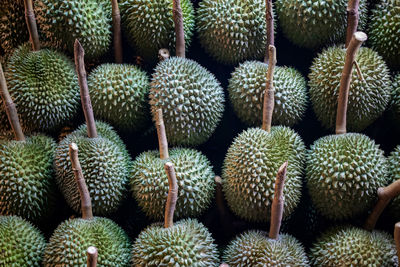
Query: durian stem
[
  {"x": 116, "y": 20},
  {"x": 32, "y": 26},
  {"x": 270, "y": 28},
  {"x": 359, "y": 72},
  {"x": 385, "y": 195},
  {"x": 86, "y": 202},
  {"x": 162, "y": 136},
  {"x": 269, "y": 101},
  {"x": 163, "y": 54},
  {"x": 224, "y": 265},
  {"x": 172, "y": 195},
  {"x": 10, "y": 108},
  {"x": 352, "y": 19},
  {"x": 79, "y": 54},
  {"x": 397, "y": 240},
  {"x": 355, "y": 43},
  {"x": 219, "y": 196},
  {"x": 179, "y": 32},
  {"x": 92, "y": 257},
  {"x": 278, "y": 202}
]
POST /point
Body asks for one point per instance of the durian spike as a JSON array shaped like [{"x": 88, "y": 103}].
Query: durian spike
[
  {"x": 32, "y": 26},
  {"x": 385, "y": 195},
  {"x": 179, "y": 31},
  {"x": 163, "y": 54},
  {"x": 397, "y": 239},
  {"x": 269, "y": 15},
  {"x": 269, "y": 101},
  {"x": 79, "y": 55},
  {"x": 172, "y": 195},
  {"x": 162, "y": 136},
  {"x": 355, "y": 43},
  {"x": 352, "y": 19},
  {"x": 278, "y": 202},
  {"x": 92, "y": 255},
  {"x": 116, "y": 20},
  {"x": 86, "y": 202},
  {"x": 10, "y": 108}
]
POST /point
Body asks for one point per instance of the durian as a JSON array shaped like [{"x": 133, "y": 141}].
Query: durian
[
  {"x": 394, "y": 174},
  {"x": 395, "y": 103}
]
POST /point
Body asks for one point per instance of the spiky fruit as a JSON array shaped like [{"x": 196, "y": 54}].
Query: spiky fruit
[
  {"x": 105, "y": 166},
  {"x": 149, "y": 25},
  {"x": 254, "y": 248},
  {"x": 44, "y": 87},
  {"x": 351, "y": 246},
  {"x": 186, "y": 243},
  {"x": 89, "y": 21},
  {"x": 191, "y": 98},
  {"x": 69, "y": 242},
  {"x": 194, "y": 175},
  {"x": 250, "y": 168},
  {"x": 232, "y": 31},
  {"x": 119, "y": 95},
  {"x": 247, "y": 87},
  {"x": 344, "y": 173},
  {"x": 396, "y": 96},
  {"x": 367, "y": 99},
  {"x": 383, "y": 31},
  {"x": 316, "y": 23},
  {"x": 21, "y": 244},
  {"x": 394, "y": 173}
]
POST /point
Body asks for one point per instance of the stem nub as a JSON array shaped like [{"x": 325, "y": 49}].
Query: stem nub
[
  {"x": 163, "y": 54},
  {"x": 179, "y": 31},
  {"x": 172, "y": 195},
  {"x": 162, "y": 136},
  {"x": 352, "y": 19},
  {"x": 116, "y": 20},
  {"x": 92, "y": 255},
  {"x": 32, "y": 26},
  {"x": 269, "y": 15},
  {"x": 269, "y": 101}
]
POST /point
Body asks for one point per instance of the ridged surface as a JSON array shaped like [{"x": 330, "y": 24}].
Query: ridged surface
[
  {"x": 394, "y": 173},
  {"x": 396, "y": 96}
]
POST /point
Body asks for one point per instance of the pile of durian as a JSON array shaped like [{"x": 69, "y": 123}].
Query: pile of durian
[{"x": 117, "y": 116}]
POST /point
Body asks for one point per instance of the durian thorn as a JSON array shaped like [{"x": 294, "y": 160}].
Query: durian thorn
[
  {"x": 31, "y": 24},
  {"x": 163, "y": 54},
  {"x": 86, "y": 202},
  {"x": 162, "y": 136},
  {"x": 270, "y": 28},
  {"x": 359, "y": 72},
  {"x": 397, "y": 240},
  {"x": 352, "y": 19},
  {"x": 172, "y": 195},
  {"x": 269, "y": 101},
  {"x": 351, "y": 52},
  {"x": 385, "y": 195},
  {"x": 116, "y": 20},
  {"x": 278, "y": 202},
  {"x": 179, "y": 31},
  {"x": 10, "y": 108},
  {"x": 92, "y": 255},
  {"x": 79, "y": 54}
]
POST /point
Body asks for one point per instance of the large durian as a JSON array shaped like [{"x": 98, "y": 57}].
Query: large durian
[
  {"x": 21, "y": 244},
  {"x": 396, "y": 96},
  {"x": 232, "y": 30},
  {"x": 315, "y": 23},
  {"x": 394, "y": 174}
]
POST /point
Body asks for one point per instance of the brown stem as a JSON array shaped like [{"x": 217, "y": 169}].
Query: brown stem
[
  {"x": 162, "y": 136},
  {"x": 270, "y": 28},
  {"x": 32, "y": 26},
  {"x": 385, "y": 195},
  {"x": 172, "y": 195},
  {"x": 86, "y": 202},
  {"x": 278, "y": 202},
  {"x": 219, "y": 197},
  {"x": 92, "y": 257},
  {"x": 359, "y": 72},
  {"x": 10, "y": 108},
  {"x": 355, "y": 43},
  {"x": 179, "y": 32},
  {"x": 352, "y": 19},
  {"x": 79, "y": 54},
  {"x": 116, "y": 19},
  {"x": 163, "y": 54},
  {"x": 269, "y": 101},
  {"x": 397, "y": 240}
]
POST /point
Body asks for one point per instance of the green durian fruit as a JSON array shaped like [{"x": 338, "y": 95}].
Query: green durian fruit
[
  {"x": 195, "y": 178},
  {"x": 383, "y": 31},
  {"x": 186, "y": 243},
  {"x": 89, "y": 21},
  {"x": 119, "y": 95},
  {"x": 351, "y": 246},
  {"x": 254, "y": 248},
  {"x": 149, "y": 25},
  {"x": 394, "y": 173},
  {"x": 27, "y": 181},
  {"x": 250, "y": 168},
  {"x": 316, "y": 23},
  {"x": 232, "y": 31},
  {"x": 396, "y": 96},
  {"x": 367, "y": 99},
  {"x": 105, "y": 166},
  {"x": 44, "y": 87},
  {"x": 69, "y": 242},
  {"x": 246, "y": 92},
  {"x": 344, "y": 173},
  {"x": 191, "y": 98},
  {"x": 21, "y": 244}
]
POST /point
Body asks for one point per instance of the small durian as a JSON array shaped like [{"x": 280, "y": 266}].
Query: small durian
[
  {"x": 21, "y": 244},
  {"x": 394, "y": 175},
  {"x": 396, "y": 96}
]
